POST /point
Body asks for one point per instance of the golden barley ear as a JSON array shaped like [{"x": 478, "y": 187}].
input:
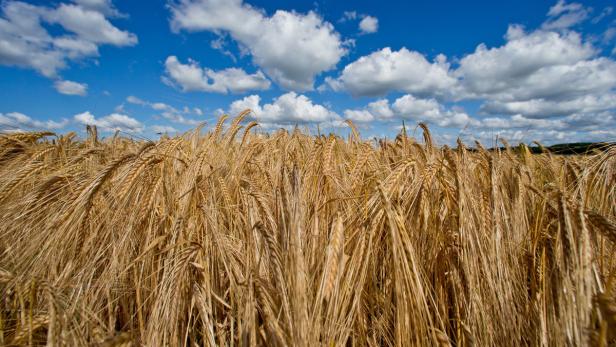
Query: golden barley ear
[{"x": 427, "y": 136}]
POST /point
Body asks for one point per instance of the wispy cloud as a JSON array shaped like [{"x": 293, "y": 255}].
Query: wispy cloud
[{"x": 167, "y": 111}]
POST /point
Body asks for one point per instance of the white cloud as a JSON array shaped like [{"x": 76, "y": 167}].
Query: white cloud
[
  {"x": 369, "y": 25},
  {"x": 582, "y": 123},
  {"x": 25, "y": 42},
  {"x": 362, "y": 116},
  {"x": 600, "y": 135},
  {"x": 163, "y": 129},
  {"x": 220, "y": 44},
  {"x": 533, "y": 76},
  {"x": 160, "y": 106},
  {"x": 251, "y": 102},
  {"x": 514, "y": 136},
  {"x": 292, "y": 48},
  {"x": 608, "y": 35},
  {"x": 606, "y": 12},
  {"x": 71, "y": 88},
  {"x": 166, "y": 111},
  {"x": 543, "y": 135},
  {"x": 383, "y": 71},
  {"x": 538, "y": 74},
  {"x": 287, "y": 108},
  {"x": 103, "y": 6},
  {"x": 541, "y": 80},
  {"x": 431, "y": 112},
  {"x": 179, "y": 119},
  {"x": 519, "y": 121},
  {"x": 564, "y": 15},
  {"x": 409, "y": 107},
  {"x": 376, "y": 110},
  {"x": 191, "y": 77},
  {"x": 135, "y": 100},
  {"x": 539, "y": 64},
  {"x": 120, "y": 108},
  {"x": 348, "y": 15},
  {"x": 18, "y": 122},
  {"x": 591, "y": 121},
  {"x": 89, "y": 25},
  {"x": 542, "y": 108},
  {"x": 75, "y": 48},
  {"x": 112, "y": 122},
  {"x": 381, "y": 109}
]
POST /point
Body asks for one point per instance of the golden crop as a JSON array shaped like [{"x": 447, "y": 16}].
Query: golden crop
[{"x": 234, "y": 239}]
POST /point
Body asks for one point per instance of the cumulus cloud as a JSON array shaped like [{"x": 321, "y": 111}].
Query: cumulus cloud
[
  {"x": 376, "y": 110},
  {"x": 534, "y": 65},
  {"x": 71, "y": 88},
  {"x": 380, "y": 109},
  {"x": 292, "y": 48},
  {"x": 385, "y": 70},
  {"x": 19, "y": 122},
  {"x": 541, "y": 80},
  {"x": 541, "y": 64},
  {"x": 191, "y": 77},
  {"x": 549, "y": 77},
  {"x": 369, "y": 25},
  {"x": 409, "y": 107},
  {"x": 286, "y": 109},
  {"x": 25, "y": 42},
  {"x": 112, "y": 122}
]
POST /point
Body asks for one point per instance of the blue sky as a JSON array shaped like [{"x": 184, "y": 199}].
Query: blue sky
[{"x": 523, "y": 70}]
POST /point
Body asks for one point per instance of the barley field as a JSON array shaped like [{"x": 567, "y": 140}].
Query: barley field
[{"x": 232, "y": 238}]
